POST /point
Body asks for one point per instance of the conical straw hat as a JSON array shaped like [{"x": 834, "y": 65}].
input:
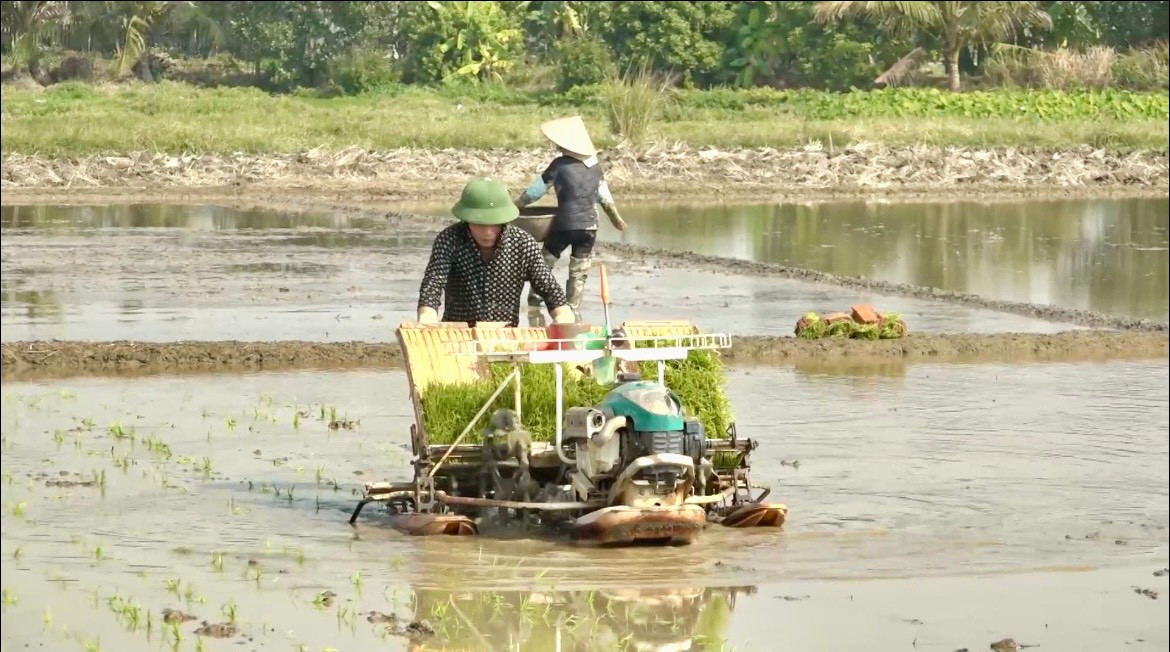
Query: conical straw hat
[{"x": 570, "y": 135}]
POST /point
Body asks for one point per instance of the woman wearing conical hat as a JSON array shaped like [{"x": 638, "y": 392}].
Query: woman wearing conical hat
[{"x": 580, "y": 186}]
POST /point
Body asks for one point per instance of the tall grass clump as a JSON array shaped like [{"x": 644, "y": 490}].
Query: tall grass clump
[
  {"x": 1063, "y": 68},
  {"x": 632, "y": 102},
  {"x": 1144, "y": 69},
  {"x": 447, "y": 408},
  {"x": 1095, "y": 68}
]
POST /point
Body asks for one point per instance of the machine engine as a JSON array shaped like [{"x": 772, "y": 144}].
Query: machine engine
[{"x": 637, "y": 443}]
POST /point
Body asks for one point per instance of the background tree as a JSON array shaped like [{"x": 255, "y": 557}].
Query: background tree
[
  {"x": 684, "y": 38},
  {"x": 448, "y": 40},
  {"x": 955, "y": 25},
  {"x": 29, "y": 27}
]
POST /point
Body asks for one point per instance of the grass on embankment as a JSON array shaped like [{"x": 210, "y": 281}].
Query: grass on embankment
[{"x": 76, "y": 119}]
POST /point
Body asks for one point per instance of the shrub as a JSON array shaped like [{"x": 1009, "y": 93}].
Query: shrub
[
  {"x": 362, "y": 70},
  {"x": 583, "y": 61}
]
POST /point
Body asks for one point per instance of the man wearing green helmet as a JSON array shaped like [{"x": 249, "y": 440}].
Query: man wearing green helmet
[{"x": 479, "y": 265}]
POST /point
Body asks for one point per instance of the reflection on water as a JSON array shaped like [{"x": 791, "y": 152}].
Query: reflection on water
[
  {"x": 165, "y": 273},
  {"x": 604, "y": 619},
  {"x": 34, "y": 304},
  {"x": 1103, "y": 255},
  {"x": 172, "y": 216}
]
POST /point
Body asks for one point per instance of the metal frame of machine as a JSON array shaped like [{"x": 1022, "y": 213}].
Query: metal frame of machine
[{"x": 456, "y": 485}]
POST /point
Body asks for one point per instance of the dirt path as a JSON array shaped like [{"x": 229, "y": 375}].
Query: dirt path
[
  {"x": 650, "y": 172},
  {"x": 56, "y": 359}
]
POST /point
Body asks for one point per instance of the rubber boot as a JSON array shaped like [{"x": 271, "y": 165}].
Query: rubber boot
[
  {"x": 534, "y": 300},
  {"x": 575, "y": 286}
]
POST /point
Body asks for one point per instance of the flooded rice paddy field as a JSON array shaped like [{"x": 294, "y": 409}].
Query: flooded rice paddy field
[
  {"x": 1104, "y": 255},
  {"x": 176, "y": 272},
  {"x": 932, "y": 506}
]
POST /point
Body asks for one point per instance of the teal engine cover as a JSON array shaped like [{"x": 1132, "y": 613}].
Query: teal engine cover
[
  {"x": 648, "y": 405},
  {"x": 657, "y": 424}
]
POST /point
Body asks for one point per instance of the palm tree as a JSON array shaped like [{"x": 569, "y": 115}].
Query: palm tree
[
  {"x": 955, "y": 24},
  {"x": 29, "y": 26}
]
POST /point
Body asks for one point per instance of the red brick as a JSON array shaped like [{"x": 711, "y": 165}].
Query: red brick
[{"x": 865, "y": 314}]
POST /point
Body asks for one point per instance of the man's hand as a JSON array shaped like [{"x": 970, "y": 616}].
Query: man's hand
[
  {"x": 564, "y": 315},
  {"x": 427, "y": 315},
  {"x": 620, "y": 225}
]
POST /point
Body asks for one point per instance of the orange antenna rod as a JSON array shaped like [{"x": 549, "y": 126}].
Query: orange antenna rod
[{"x": 605, "y": 297}]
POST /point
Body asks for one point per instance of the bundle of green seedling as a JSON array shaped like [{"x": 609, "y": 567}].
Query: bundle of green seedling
[
  {"x": 447, "y": 408},
  {"x": 813, "y": 327}
]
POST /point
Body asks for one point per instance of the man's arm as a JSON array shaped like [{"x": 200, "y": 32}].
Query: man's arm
[
  {"x": 434, "y": 282},
  {"x": 607, "y": 204},
  {"x": 545, "y": 284},
  {"x": 539, "y": 186}
]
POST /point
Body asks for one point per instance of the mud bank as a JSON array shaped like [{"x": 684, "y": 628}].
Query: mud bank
[
  {"x": 808, "y": 172},
  {"x": 56, "y": 359},
  {"x": 692, "y": 260}
]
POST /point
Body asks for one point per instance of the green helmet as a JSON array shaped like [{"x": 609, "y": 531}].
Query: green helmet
[{"x": 485, "y": 201}]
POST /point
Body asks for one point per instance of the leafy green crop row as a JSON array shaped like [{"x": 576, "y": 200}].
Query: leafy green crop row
[{"x": 1039, "y": 105}]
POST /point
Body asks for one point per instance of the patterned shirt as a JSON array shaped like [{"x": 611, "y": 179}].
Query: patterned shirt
[{"x": 474, "y": 290}]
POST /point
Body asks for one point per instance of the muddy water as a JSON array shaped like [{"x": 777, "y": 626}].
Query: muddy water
[
  {"x": 1030, "y": 508},
  {"x": 1107, "y": 256},
  {"x": 165, "y": 273}
]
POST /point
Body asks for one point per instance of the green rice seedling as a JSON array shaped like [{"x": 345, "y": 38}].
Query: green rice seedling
[
  {"x": 58, "y": 438},
  {"x": 172, "y": 585},
  {"x": 16, "y": 553},
  {"x": 199, "y": 644},
  {"x": 87, "y": 423},
  {"x": 217, "y": 562},
  {"x": 296, "y": 420},
  {"x": 892, "y": 327},
  {"x": 98, "y": 554},
  {"x": 158, "y": 447},
  {"x": 47, "y": 618},
  {"x": 93, "y": 646},
  {"x": 122, "y": 461},
  {"x": 7, "y": 597},
  {"x": 229, "y": 610},
  {"x": 16, "y": 509},
  {"x": 698, "y": 380},
  {"x": 175, "y": 636},
  {"x": 206, "y": 467},
  {"x": 118, "y": 432},
  {"x": 865, "y": 331},
  {"x": 810, "y": 327},
  {"x": 66, "y": 395},
  {"x": 843, "y": 328},
  {"x": 230, "y": 423}
]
